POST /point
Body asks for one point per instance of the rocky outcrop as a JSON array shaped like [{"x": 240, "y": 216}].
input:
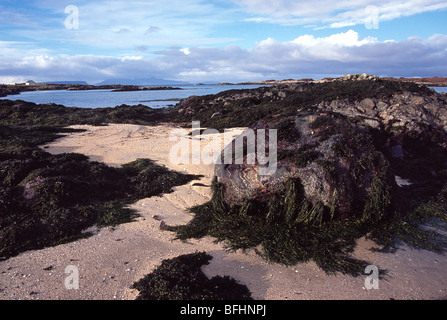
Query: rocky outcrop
[
  {"x": 407, "y": 110},
  {"x": 341, "y": 151},
  {"x": 356, "y": 156},
  {"x": 332, "y": 163}
]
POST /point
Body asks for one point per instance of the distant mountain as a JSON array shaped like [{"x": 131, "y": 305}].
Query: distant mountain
[
  {"x": 67, "y": 82},
  {"x": 142, "y": 82}
]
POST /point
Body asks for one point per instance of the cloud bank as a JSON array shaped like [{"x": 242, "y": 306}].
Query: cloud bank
[{"x": 305, "y": 56}]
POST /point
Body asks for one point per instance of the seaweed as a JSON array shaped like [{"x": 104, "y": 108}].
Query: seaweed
[
  {"x": 294, "y": 231},
  {"x": 290, "y": 228},
  {"x": 51, "y": 199},
  {"x": 301, "y": 157},
  {"x": 21, "y": 113},
  {"x": 181, "y": 278},
  {"x": 287, "y": 234}
]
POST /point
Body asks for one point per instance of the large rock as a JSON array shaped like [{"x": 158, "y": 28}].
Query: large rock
[
  {"x": 407, "y": 110},
  {"x": 336, "y": 158},
  {"x": 332, "y": 162}
]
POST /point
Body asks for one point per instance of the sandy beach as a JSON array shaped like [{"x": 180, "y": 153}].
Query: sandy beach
[{"x": 111, "y": 260}]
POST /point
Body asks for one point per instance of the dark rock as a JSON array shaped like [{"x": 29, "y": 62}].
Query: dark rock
[
  {"x": 331, "y": 150},
  {"x": 333, "y": 161}
]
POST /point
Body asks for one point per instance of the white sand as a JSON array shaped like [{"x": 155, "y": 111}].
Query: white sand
[{"x": 114, "y": 258}]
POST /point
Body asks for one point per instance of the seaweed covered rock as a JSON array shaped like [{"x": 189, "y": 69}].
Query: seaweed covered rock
[
  {"x": 355, "y": 157},
  {"x": 327, "y": 168}
]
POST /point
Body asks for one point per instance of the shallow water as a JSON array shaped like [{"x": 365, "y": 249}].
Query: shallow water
[
  {"x": 107, "y": 98},
  {"x": 440, "y": 89}
]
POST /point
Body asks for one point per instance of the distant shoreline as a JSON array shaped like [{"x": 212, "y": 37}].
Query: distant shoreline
[
  {"x": 431, "y": 82},
  {"x": 141, "y": 88},
  {"x": 6, "y": 90}
]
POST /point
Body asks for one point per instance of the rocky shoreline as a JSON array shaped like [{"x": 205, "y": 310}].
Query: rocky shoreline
[
  {"x": 358, "y": 157},
  {"x": 430, "y": 82},
  {"x": 6, "y": 90}
]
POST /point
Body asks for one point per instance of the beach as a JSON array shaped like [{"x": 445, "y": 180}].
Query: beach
[{"x": 111, "y": 260}]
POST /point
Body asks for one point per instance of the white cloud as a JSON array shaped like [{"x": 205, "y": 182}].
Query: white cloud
[
  {"x": 305, "y": 56},
  {"x": 344, "y": 39},
  {"x": 328, "y": 13}
]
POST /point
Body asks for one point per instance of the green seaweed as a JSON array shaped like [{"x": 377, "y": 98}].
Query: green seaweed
[
  {"x": 291, "y": 229},
  {"x": 287, "y": 234},
  {"x": 51, "y": 199},
  {"x": 181, "y": 278},
  {"x": 21, "y": 113}
]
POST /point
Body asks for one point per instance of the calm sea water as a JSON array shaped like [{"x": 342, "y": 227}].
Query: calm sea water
[
  {"x": 107, "y": 98},
  {"x": 440, "y": 89}
]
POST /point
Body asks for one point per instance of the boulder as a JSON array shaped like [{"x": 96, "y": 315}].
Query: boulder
[
  {"x": 332, "y": 162},
  {"x": 338, "y": 155}
]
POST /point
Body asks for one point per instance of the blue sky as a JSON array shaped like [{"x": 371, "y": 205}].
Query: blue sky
[{"x": 198, "y": 41}]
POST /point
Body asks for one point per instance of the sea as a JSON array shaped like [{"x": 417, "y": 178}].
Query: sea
[
  {"x": 107, "y": 98},
  {"x": 440, "y": 89}
]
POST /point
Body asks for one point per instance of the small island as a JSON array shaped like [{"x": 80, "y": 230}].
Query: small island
[{"x": 139, "y": 88}]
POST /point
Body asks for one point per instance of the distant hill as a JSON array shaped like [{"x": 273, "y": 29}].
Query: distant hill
[
  {"x": 67, "y": 82},
  {"x": 142, "y": 82}
]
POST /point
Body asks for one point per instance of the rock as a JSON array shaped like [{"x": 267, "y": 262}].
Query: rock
[
  {"x": 372, "y": 123},
  {"x": 367, "y": 104},
  {"x": 382, "y": 105},
  {"x": 417, "y": 100},
  {"x": 328, "y": 152},
  {"x": 329, "y": 160},
  {"x": 364, "y": 76},
  {"x": 397, "y": 152},
  {"x": 282, "y": 94}
]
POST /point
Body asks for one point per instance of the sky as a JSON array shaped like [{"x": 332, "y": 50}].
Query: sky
[{"x": 220, "y": 40}]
